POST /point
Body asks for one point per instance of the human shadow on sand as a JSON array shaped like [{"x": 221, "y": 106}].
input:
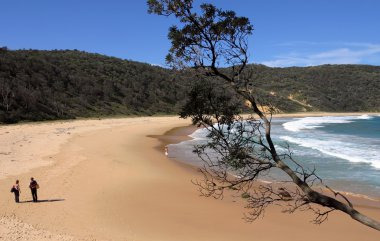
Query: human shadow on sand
[{"x": 44, "y": 200}]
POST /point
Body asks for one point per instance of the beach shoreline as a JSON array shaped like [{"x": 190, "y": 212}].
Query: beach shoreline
[
  {"x": 181, "y": 134},
  {"x": 110, "y": 180},
  {"x": 317, "y": 114}
]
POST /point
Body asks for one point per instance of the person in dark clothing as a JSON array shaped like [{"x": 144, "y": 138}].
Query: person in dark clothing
[
  {"x": 16, "y": 190},
  {"x": 33, "y": 187}
]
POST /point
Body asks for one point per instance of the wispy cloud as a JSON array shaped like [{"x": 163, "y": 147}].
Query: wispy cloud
[
  {"x": 324, "y": 43},
  {"x": 159, "y": 65},
  {"x": 348, "y": 53}
]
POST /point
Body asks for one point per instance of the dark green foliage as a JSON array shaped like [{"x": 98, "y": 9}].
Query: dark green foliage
[
  {"x": 195, "y": 40},
  {"x": 332, "y": 88},
  {"x": 205, "y": 100},
  {"x": 46, "y": 85}
]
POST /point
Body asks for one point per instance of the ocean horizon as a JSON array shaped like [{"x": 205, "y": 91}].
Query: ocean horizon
[{"x": 344, "y": 150}]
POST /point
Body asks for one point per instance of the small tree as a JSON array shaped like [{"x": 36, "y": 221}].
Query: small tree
[
  {"x": 214, "y": 43},
  {"x": 6, "y": 94}
]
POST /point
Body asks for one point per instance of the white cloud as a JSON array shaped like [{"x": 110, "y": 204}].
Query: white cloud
[
  {"x": 351, "y": 53},
  {"x": 159, "y": 65}
]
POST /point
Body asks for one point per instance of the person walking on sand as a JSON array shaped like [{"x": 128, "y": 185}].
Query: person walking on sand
[
  {"x": 16, "y": 190},
  {"x": 33, "y": 187}
]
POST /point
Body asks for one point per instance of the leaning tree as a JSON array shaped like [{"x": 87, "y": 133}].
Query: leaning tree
[{"x": 213, "y": 43}]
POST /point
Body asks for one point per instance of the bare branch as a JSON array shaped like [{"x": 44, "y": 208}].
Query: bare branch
[{"x": 239, "y": 151}]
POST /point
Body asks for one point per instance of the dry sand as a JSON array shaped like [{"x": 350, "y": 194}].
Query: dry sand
[{"x": 110, "y": 180}]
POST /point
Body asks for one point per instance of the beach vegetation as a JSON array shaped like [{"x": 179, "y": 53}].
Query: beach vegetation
[
  {"x": 38, "y": 85},
  {"x": 66, "y": 84}
]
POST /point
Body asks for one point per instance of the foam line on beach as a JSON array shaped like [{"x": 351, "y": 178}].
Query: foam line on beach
[
  {"x": 345, "y": 150},
  {"x": 318, "y": 122}
]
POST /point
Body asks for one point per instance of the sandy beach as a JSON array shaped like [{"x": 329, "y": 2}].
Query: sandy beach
[{"x": 109, "y": 179}]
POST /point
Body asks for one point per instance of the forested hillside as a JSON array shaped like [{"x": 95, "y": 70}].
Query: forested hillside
[
  {"x": 332, "y": 88},
  {"x": 46, "y": 85}
]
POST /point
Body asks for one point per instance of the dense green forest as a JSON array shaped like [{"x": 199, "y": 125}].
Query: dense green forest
[
  {"x": 61, "y": 84},
  {"x": 331, "y": 88},
  {"x": 46, "y": 85}
]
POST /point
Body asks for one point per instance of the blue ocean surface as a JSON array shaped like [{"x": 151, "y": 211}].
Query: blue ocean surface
[{"x": 345, "y": 150}]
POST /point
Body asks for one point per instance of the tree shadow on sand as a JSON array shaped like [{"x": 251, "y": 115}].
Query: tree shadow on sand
[{"x": 44, "y": 200}]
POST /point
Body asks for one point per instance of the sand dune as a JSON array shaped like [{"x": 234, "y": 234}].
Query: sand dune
[{"x": 109, "y": 180}]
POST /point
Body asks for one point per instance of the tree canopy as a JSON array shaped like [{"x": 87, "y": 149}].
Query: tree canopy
[
  {"x": 60, "y": 84},
  {"x": 46, "y": 85},
  {"x": 240, "y": 150}
]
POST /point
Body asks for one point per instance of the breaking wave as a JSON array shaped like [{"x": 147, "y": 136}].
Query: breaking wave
[
  {"x": 318, "y": 122},
  {"x": 351, "y": 151}
]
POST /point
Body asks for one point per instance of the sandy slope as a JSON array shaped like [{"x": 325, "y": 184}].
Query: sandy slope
[{"x": 105, "y": 180}]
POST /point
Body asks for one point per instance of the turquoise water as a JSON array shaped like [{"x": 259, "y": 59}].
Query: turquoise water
[{"x": 345, "y": 150}]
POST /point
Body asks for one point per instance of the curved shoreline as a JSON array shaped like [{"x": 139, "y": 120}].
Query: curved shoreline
[
  {"x": 182, "y": 134},
  {"x": 115, "y": 183}
]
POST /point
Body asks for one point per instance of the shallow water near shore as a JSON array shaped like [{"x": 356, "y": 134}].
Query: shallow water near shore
[{"x": 343, "y": 149}]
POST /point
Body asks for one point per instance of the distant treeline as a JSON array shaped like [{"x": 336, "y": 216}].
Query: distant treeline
[
  {"x": 331, "y": 88},
  {"x": 60, "y": 84},
  {"x": 45, "y": 85}
]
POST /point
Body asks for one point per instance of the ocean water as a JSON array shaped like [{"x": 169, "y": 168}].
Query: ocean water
[{"x": 345, "y": 150}]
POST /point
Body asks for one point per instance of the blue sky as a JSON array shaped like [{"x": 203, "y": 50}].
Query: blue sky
[{"x": 287, "y": 32}]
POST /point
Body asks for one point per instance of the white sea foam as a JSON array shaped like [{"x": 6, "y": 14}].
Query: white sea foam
[
  {"x": 352, "y": 152},
  {"x": 364, "y": 117},
  {"x": 318, "y": 122},
  {"x": 200, "y": 134},
  {"x": 328, "y": 147}
]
